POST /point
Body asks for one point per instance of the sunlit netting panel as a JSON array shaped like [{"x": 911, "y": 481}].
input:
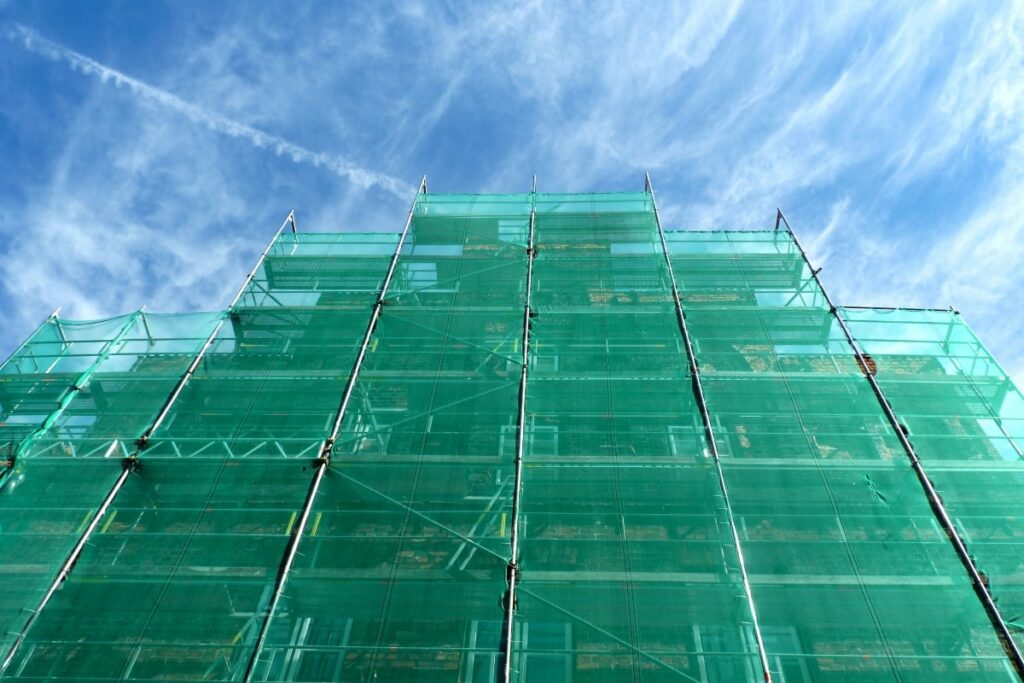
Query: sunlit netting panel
[
  {"x": 965, "y": 418},
  {"x": 43, "y": 371},
  {"x": 127, "y": 387},
  {"x": 51, "y": 493},
  {"x": 851, "y": 574},
  {"x": 403, "y": 568},
  {"x": 46, "y": 505},
  {"x": 628, "y": 569},
  {"x": 172, "y": 584},
  {"x": 271, "y": 382}
]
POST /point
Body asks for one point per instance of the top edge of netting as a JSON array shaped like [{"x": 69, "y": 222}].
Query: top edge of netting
[{"x": 123, "y": 317}]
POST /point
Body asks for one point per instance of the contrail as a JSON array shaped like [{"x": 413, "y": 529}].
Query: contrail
[{"x": 33, "y": 42}]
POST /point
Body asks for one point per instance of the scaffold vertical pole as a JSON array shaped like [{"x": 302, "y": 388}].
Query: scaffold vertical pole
[
  {"x": 934, "y": 499},
  {"x": 512, "y": 571},
  {"x": 705, "y": 415},
  {"x": 130, "y": 464},
  {"x": 69, "y": 562},
  {"x": 323, "y": 461},
  {"x": 143, "y": 440}
]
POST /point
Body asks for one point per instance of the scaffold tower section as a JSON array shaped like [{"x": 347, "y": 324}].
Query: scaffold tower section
[{"x": 499, "y": 448}]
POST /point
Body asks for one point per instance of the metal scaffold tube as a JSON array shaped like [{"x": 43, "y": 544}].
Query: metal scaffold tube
[
  {"x": 324, "y": 458},
  {"x": 934, "y": 499},
  {"x": 512, "y": 573},
  {"x": 69, "y": 563},
  {"x": 130, "y": 463},
  {"x": 698, "y": 391},
  {"x": 80, "y": 382},
  {"x": 143, "y": 440}
]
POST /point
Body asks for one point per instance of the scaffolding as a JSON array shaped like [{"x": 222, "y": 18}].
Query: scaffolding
[{"x": 530, "y": 437}]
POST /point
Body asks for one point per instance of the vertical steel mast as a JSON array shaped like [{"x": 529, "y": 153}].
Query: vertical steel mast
[
  {"x": 324, "y": 459},
  {"x": 705, "y": 415},
  {"x": 512, "y": 572}
]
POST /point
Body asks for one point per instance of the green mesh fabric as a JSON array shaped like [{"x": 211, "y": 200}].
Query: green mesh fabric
[
  {"x": 124, "y": 367},
  {"x": 174, "y": 583},
  {"x": 628, "y": 569},
  {"x": 45, "y": 369},
  {"x": 402, "y": 571},
  {"x": 852, "y": 576},
  {"x": 966, "y": 421}
]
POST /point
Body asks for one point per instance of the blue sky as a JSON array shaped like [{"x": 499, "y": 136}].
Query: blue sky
[{"x": 150, "y": 150}]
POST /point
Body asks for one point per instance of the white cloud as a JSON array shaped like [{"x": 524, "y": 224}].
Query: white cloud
[{"x": 336, "y": 164}]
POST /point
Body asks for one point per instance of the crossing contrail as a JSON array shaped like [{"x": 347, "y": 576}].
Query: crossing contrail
[{"x": 340, "y": 166}]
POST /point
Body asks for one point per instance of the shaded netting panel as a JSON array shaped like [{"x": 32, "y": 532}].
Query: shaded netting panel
[
  {"x": 402, "y": 570},
  {"x": 46, "y": 504},
  {"x": 965, "y": 418},
  {"x": 628, "y": 569},
  {"x": 271, "y": 381},
  {"x": 172, "y": 584},
  {"x": 851, "y": 574}
]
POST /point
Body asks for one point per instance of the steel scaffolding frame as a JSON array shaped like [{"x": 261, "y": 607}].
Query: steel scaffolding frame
[
  {"x": 698, "y": 392},
  {"x": 324, "y": 460},
  {"x": 934, "y": 499}
]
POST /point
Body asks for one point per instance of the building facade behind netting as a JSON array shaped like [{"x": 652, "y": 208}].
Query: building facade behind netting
[{"x": 533, "y": 437}]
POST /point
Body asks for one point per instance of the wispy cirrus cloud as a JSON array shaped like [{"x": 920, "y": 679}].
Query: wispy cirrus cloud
[
  {"x": 888, "y": 133},
  {"x": 340, "y": 166}
]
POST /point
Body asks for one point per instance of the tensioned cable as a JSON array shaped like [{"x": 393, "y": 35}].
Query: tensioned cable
[{"x": 698, "y": 391}]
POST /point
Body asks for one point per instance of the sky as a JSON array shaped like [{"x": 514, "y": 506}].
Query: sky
[{"x": 150, "y": 150}]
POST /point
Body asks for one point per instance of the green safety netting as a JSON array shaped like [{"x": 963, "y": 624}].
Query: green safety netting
[
  {"x": 965, "y": 418},
  {"x": 628, "y": 570},
  {"x": 403, "y": 568},
  {"x": 88, "y": 389},
  {"x": 174, "y": 583},
  {"x": 851, "y": 574}
]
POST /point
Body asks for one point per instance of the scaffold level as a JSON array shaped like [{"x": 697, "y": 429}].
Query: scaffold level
[{"x": 532, "y": 437}]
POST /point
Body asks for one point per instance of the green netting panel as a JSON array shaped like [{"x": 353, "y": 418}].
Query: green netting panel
[
  {"x": 44, "y": 369},
  {"x": 54, "y": 488},
  {"x": 46, "y": 506},
  {"x": 966, "y": 421},
  {"x": 403, "y": 566},
  {"x": 127, "y": 387},
  {"x": 272, "y": 380},
  {"x": 176, "y": 581},
  {"x": 627, "y": 569},
  {"x": 171, "y": 585},
  {"x": 851, "y": 574}
]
